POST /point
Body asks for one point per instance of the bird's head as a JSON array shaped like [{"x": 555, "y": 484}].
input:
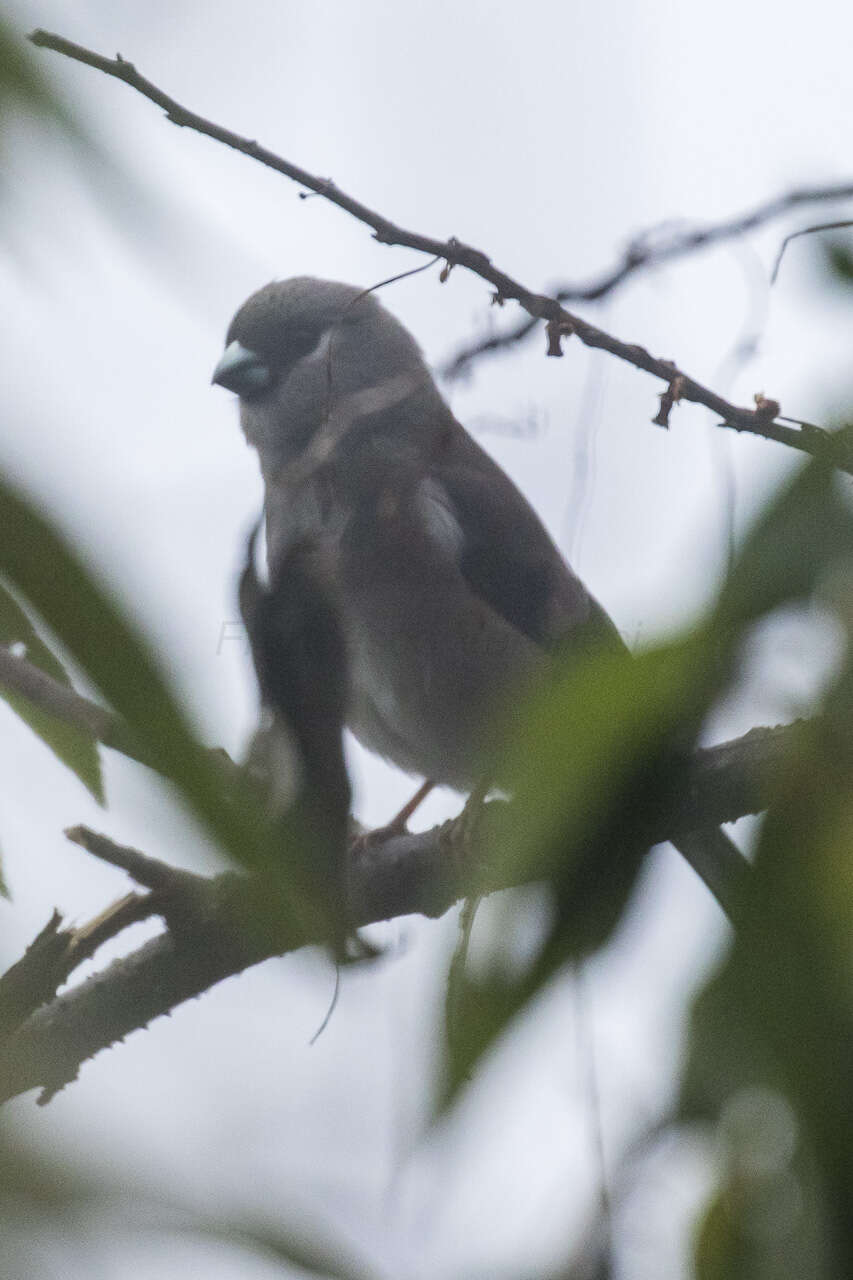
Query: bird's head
[{"x": 298, "y": 349}]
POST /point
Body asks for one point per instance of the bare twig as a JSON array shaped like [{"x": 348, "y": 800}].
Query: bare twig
[
  {"x": 87, "y": 938},
  {"x": 145, "y": 870},
  {"x": 455, "y": 253},
  {"x": 805, "y": 231},
  {"x": 61, "y": 701},
  {"x": 644, "y": 252},
  {"x": 423, "y": 873}
]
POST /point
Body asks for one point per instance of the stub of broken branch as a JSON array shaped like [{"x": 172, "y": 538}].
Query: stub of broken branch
[
  {"x": 555, "y": 331},
  {"x": 668, "y": 399},
  {"x": 34, "y": 979},
  {"x": 765, "y": 408}
]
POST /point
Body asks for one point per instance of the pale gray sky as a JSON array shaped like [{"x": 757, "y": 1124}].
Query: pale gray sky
[{"x": 546, "y": 137}]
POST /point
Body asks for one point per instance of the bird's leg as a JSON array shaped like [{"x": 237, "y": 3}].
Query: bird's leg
[
  {"x": 398, "y": 823},
  {"x": 397, "y": 826}
]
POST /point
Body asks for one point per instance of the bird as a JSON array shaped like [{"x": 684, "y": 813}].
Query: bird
[{"x": 451, "y": 593}]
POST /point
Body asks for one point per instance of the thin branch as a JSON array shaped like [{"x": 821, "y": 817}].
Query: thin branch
[
  {"x": 142, "y": 868},
  {"x": 63, "y": 702},
  {"x": 805, "y": 231},
  {"x": 424, "y": 873},
  {"x": 643, "y": 252},
  {"x": 560, "y": 321},
  {"x": 60, "y": 700}
]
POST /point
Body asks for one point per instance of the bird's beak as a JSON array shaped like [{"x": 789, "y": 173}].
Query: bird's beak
[{"x": 242, "y": 371}]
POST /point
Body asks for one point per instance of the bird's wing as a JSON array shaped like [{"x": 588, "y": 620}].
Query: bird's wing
[{"x": 505, "y": 554}]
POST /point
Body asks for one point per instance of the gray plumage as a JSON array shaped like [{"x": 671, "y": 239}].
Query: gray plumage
[{"x": 450, "y": 590}]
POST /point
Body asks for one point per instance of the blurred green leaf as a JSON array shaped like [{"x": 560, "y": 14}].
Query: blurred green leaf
[
  {"x": 26, "y": 93},
  {"x": 777, "y": 1017},
  {"x": 799, "y": 539},
  {"x": 585, "y": 745},
  {"x": 40, "y": 1194},
  {"x": 762, "y": 1221},
  {"x": 316, "y": 1252},
  {"x": 108, "y": 648},
  {"x": 289, "y": 902},
  {"x": 838, "y": 256},
  {"x": 597, "y": 748},
  {"x": 23, "y": 85},
  {"x": 37, "y": 561},
  {"x": 73, "y": 747},
  {"x": 592, "y": 752},
  {"x": 779, "y": 1012},
  {"x": 776, "y": 1020}
]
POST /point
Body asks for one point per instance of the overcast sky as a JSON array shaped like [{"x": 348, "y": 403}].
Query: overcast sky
[{"x": 547, "y": 138}]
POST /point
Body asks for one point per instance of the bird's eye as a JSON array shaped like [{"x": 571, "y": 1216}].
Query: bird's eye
[{"x": 318, "y": 348}]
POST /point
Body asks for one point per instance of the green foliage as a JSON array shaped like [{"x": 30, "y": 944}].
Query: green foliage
[
  {"x": 793, "y": 550},
  {"x": 316, "y": 1253},
  {"x": 58, "y": 1201},
  {"x": 27, "y": 93},
  {"x": 36, "y": 559},
  {"x": 586, "y": 760},
  {"x": 838, "y": 257},
  {"x": 95, "y": 632},
  {"x": 23, "y": 85},
  {"x": 772, "y": 1033},
  {"x": 597, "y": 749},
  {"x": 73, "y": 747}
]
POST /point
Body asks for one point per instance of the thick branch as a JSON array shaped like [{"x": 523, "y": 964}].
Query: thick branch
[
  {"x": 561, "y": 322},
  {"x": 423, "y": 873},
  {"x": 57, "y": 951}
]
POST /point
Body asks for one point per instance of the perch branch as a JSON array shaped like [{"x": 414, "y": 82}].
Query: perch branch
[
  {"x": 424, "y": 873},
  {"x": 817, "y": 443}
]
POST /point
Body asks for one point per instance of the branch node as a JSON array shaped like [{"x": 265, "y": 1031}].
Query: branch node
[
  {"x": 556, "y": 330},
  {"x": 765, "y": 408},
  {"x": 668, "y": 399}
]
